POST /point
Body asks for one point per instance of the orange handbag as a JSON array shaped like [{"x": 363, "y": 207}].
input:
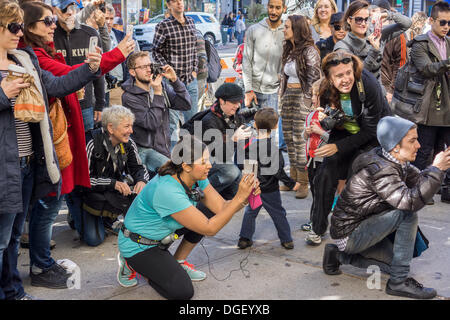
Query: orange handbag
[{"x": 60, "y": 136}]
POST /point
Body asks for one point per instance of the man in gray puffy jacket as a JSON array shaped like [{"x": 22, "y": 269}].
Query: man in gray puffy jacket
[
  {"x": 382, "y": 197},
  {"x": 149, "y": 98}
]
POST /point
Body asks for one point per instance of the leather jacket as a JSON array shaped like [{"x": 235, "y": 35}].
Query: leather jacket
[{"x": 381, "y": 185}]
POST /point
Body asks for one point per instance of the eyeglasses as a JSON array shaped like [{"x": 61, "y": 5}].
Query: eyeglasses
[
  {"x": 48, "y": 21},
  {"x": 444, "y": 22},
  {"x": 336, "y": 62},
  {"x": 338, "y": 27},
  {"x": 15, "y": 27},
  {"x": 145, "y": 66},
  {"x": 360, "y": 20}
]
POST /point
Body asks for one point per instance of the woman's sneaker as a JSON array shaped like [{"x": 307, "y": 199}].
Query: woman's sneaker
[
  {"x": 194, "y": 274},
  {"x": 125, "y": 275},
  {"x": 306, "y": 226},
  {"x": 244, "y": 243},
  {"x": 313, "y": 239}
]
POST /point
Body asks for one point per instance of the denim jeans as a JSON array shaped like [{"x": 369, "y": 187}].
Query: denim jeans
[
  {"x": 11, "y": 227},
  {"x": 88, "y": 118},
  {"x": 192, "y": 88},
  {"x": 367, "y": 244},
  {"x": 271, "y": 201},
  {"x": 271, "y": 101},
  {"x": 42, "y": 217},
  {"x": 429, "y": 139},
  {"x": 151, "y": 158},
  {"x": 225, "y": 179}
]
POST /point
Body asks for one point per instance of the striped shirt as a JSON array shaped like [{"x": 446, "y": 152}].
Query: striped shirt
[
  {"x": 23, "y": 133},
  {"x": 176, "y": 44}
]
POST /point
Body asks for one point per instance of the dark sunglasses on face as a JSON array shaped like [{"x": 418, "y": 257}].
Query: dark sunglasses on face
[
  {"x": 360, "y": 20},
  {"x": 336, "y": 62},
  {"x": 444, "y": 22},
  {"x": 48, "y": 21},
  {"x": 338, "y": 27},
  {"x": 15, "y": 27},
  {"x": 67, "y": 8}
]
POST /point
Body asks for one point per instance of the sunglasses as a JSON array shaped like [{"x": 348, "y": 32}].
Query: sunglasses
[
  {"x": 71, "y": 7},
  {"x": 444, "y": 22},
  {"x": 336, "y": 62},
  {"x": 360, "y": 20},
  {"x": 15, "y": 27},
  {"x": 48, "y": 21},
  {"x": 338, "y": 27}
]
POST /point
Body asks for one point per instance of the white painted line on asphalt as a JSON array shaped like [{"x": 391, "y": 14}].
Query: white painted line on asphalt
[{"x": 425, "y": 225}]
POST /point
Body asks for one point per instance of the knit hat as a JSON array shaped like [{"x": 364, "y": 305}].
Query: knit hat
[
  {"x": 384, "y": 4},
  {"x": 229, "y": 92},
  {"x": 391, "y": 130}
]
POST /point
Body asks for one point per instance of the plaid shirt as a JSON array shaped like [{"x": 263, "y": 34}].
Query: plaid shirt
[{"x": 176, "y": 44}]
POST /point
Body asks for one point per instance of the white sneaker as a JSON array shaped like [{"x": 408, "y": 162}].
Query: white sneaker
[
  {"x": 313, "y": 239},
  {"x": 67, "y": 264}
]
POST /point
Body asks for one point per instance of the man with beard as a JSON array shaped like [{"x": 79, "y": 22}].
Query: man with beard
[
  {"x": 71, "y": 39},
  {"x": 150, "y": 98},
  {"x": 261, "y": 64}
]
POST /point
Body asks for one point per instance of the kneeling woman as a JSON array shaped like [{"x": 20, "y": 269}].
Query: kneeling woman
[{"x": 167, "y": 206}]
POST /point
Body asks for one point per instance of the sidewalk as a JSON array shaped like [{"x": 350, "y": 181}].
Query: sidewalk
[{"x": 264, "y": 272}]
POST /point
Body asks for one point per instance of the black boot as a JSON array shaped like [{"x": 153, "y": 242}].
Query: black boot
[
  {"x": 410, "y": 288},
  {"x": 445, "y": 194},
  {"x": 330, "y": 260}
]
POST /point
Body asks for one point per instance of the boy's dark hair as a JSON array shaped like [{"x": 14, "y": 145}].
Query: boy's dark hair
[
  {"x": 440, "y": 6},
  {"x": 266, "y": 118}
]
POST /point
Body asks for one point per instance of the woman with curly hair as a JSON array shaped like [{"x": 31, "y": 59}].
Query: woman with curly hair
[{"x": 300, "y": 69}]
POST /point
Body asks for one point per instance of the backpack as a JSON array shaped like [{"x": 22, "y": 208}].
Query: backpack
[
  {"x": 189, "y": 125},
  {"x": 214, "y": 66}
]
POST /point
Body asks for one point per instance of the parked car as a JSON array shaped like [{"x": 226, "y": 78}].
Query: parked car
[{"x": 206, "y": 23}]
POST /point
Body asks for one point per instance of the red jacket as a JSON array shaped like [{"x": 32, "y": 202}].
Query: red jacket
[{"x": 77, "y": 173}]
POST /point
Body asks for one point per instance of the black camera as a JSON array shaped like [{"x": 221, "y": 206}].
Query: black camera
[
  {"x": 111, "y": 81},
  {"x": 156, "y": 70},
  {"x": 248, "y": 113},
  {"x": 336, "y": 118},
  {"x": 102, "y": 7}
]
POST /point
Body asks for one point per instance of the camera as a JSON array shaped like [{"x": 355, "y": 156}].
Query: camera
[
  {"x": 102, "y": 7},
  {"x": 335, "y": 118},
  {"x": 248, "y": 113},
  {"x": 156, "y": 70},
  {"x": 111, "y": 81}
]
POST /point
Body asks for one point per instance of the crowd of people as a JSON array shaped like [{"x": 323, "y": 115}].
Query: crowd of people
[{"x": 359, "y": 100}]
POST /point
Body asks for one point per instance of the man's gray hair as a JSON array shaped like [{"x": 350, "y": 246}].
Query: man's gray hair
[
  {"x": 110, "y": 8},
  {"x": 115, "y": 115}
]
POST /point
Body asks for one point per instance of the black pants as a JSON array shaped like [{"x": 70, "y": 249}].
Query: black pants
[
  {"x": 432, "y": 141},
  {"x": 312, "y": 172}
]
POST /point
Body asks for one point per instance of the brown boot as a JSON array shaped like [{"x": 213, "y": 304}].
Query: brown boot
[
  {"x": 293, "y": 175},
  {"x": 302, "y": 178}
]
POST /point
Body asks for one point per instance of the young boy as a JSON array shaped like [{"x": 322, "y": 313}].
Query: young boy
[{"x": 270, "y": 172}]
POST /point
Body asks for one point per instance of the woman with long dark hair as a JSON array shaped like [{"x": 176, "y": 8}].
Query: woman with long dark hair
[
  {"x": 356, "y": 104},
  {"x": 300, "y": 69},
  {"x": 165, "y": 209},
  {"x": 39, "y": 26}
]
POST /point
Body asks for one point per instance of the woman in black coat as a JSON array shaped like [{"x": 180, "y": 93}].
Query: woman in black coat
[{"x": 356, "y": 99}]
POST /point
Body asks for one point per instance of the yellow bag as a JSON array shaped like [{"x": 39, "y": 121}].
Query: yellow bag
[
  {"x": 30, "y": 105},
  {"x": 60, "y": 137}
]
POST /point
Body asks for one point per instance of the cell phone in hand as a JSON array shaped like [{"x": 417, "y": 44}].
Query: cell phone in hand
[
  {"x": 250, "y": 166},
  {"x": 378, "y": 25},
  {"x": 93, "y": 41},
  {"x": 130, "y": 29}
]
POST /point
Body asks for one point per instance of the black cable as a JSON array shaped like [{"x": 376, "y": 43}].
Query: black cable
[{"x": 242, "y": 265}]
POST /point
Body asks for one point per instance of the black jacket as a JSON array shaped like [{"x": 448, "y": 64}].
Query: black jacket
[
  {"x": 325, "y": 46},
  {"x": 375, "y": 107},
  {"x": 270, "y": 161},
  {"x": 151, "y": 127},
  {"x": 380, "y": 185},
  {"x": 74, "y": 46}
]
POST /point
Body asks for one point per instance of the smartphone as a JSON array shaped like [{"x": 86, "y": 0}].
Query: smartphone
[
  {"x": 93, "y": 41},
  {"x": 378, "y": 25},
  {"x": 130, "y": 29},
  {"x": 250, "y": 166}
]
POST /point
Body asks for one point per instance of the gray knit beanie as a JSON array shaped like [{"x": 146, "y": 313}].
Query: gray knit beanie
[{"x": 391, "y": 130}]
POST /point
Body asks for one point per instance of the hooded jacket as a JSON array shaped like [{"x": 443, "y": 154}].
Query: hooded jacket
[
  {"x": 151, "y": 127},
  {"x": 47, "y": 176},
  {"x": 381, "y": 185},
  {"x": 262, "y": 58}
]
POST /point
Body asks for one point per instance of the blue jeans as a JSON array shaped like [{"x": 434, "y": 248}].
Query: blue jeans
[
  {"x": 225, "y": 179},
  {"x": 271, "y": 201},
  {"x": 192, "y": 88},
  {"x": 42, "y": 217},
  {"x": 367, "y": 244},
  {"x": 151, "y": 158},
  {"x": 11, "y": 227},
  {"x": 271, "y": 101},
  {"x": 88, "y": 118}
]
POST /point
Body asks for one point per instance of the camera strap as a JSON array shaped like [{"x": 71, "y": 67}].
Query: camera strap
[
  {"x": 361, "y": 96},
  {"x": 120, "y": 159}
]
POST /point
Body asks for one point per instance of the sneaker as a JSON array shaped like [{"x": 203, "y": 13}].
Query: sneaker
[
  {"x": 195, "y": 275},
  {"x": 306, "y": 226},
  {"x": 313, "y": 239},
  {"x": 125, "y": 275},
  {"x": 330, "y": 263},
  {"x": 288, "y": 245},
  {"x": 244, "y": 243},
  {"x": 27, "y": 296},
  {"x": 54, "y": 277},
  {"x": 410, "y": 288}
]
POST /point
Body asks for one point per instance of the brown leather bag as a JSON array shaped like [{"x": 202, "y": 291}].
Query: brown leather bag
[{"x": 60, "y": 136}]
